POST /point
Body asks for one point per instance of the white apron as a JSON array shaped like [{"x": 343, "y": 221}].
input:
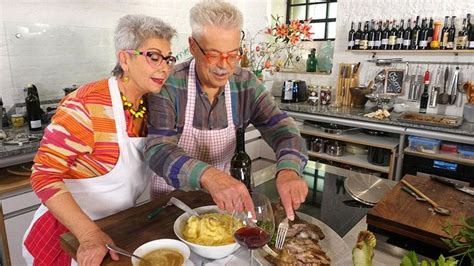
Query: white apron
[
  {"x": 215, "y": 147},
  {"x": 115, "y": 191}
]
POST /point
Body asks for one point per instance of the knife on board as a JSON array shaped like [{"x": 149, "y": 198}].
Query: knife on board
[{"x": 457, "y": 186}]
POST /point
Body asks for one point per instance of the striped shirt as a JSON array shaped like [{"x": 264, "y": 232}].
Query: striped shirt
[
  {"x": 251, "y": 104},
  {"x": 80, "y": 142}
]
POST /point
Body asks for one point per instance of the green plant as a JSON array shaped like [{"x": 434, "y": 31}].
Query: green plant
[
  {"x": 411, "y": 259},
  {"x": 462, "y": 238}
]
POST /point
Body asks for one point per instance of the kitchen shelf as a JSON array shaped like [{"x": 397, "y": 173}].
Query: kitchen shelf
[
  {"x": 414, "y": 52},
  {"x": 303, "y": 72},
  {"x": 359, "y": 160},
  {"x": 454, "y": 158},
  {"x": 356, "y": 137}
]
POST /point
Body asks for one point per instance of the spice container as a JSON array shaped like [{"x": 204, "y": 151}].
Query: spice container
[{"x": 17, "y": 120}]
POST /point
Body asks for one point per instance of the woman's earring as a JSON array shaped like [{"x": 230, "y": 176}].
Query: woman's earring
[{"x": 126, "y": 79}]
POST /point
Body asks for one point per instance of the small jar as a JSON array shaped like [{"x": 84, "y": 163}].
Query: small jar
[
  {"x": 18, "y": 120},
  {"x": 325, "y": 95}
]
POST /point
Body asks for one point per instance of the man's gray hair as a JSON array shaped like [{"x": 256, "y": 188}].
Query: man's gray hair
[
  {"x": 215, "y": 13},
  {"x": 133, "y": 30}
]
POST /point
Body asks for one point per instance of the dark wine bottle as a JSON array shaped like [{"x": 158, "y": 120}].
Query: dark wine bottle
[
  {"x": 400, "y": 32},
  {"x": 471, "y": 33},
  {"x": 461, "y": 42},
  {"x": 451, "y": 34},
  {"x": 378, "y": 36},
  {"x": 385, "y": 35},
  {"x": 425, "y": 95},
  {"x": 415, "y": 35},
  {"x": 392, "y": 36},
  {"x": 423, "y": 44},
  {"x": 371, "y": 43},
  {"x": 33, "y": 108},
  {"x": 351, "y": 38},
  {"x": 430, "y": 32},
  {"x": 407, "y": 36},
  {"x": 364, "y": 40},
  {"x": 241, "y": 164},
  {"x": 358, "y": 36},
  {"x": 445, "y": 34}
]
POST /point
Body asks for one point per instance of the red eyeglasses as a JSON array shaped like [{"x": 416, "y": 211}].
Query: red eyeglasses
[{"x": 214, "y": 57}]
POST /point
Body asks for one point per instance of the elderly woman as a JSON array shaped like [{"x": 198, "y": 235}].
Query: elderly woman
[{"x": 90, "y": 162}]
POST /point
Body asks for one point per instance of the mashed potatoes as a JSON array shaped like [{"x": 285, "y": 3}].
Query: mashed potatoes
[{"x": 212, "y": 229}]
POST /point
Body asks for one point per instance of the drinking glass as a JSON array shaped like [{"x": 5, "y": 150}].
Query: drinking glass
[{"x": 259, "y": 226}]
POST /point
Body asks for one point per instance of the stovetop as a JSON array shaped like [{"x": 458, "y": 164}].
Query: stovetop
[{"x": 327, "y": 199}]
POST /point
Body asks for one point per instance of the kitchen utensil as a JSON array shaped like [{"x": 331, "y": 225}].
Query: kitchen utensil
[
  {"x": 154, "y": 213},
  {"x": 409, "y": 191},
  {"x": 378, "y": 156},
  {"x": 436, "y": 206},
  {"x": 358, "y": 96},
  {"x": 453, "y": 91},
  {"x": 435, "y": 89},
  {"x": 126, "y": 253},
  {"x": 183, "y": 206},
  {"x": 443, "y": 98},
  {"x": 281, "y": 233},
  {"x": 366, "y": 189},
  {"x": 335, "y": 148},
  {"x": 457, "y": 186},
  {"x": 414, "y": 86}
]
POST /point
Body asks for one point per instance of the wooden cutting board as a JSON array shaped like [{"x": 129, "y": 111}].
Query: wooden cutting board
[
  {"x": 400, "y": 213},
  {"x": 131, "y": 228}
]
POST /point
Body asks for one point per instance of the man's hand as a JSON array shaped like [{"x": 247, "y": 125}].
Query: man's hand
[
  {"x": 292, "y": 189},
  {"x": 92, "y": 248},
  {"x": 227, "y": 192}
]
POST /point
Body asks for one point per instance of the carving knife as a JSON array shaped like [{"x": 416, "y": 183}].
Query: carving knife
[{"x": 453, "y": 184}]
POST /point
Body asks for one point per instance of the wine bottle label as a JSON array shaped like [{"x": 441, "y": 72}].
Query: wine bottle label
[
  {"x": 406, "y": 42},
  {"x": 363, "y": 44},
  {"x": 384, "y": 41},
  {"x": 350, "y": 44},
  {"x": 357, "y": 41},
  {"x": 471, "y": 44},
  {"x": 445, "y": 39},
  {"x": 392, "y": 40},
  {"x": 399, "y": 40},
  {"x": 371, "y": 43},
  {"x": 450, "y": 45},
  {"x": 423, "y": 43},
  {"x": 35, "y": 123},
  {"x": 378, "y": 43}
]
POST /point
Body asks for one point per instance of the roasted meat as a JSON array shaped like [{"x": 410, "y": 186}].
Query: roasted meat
[{"x": 301, "y": 244}]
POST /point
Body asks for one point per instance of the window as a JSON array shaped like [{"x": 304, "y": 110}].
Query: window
[{"x": 322, "y": 13}]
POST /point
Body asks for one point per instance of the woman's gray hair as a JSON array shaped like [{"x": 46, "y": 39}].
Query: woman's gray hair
[
  {"x": 133, "y": 30},
  {"x": 214, "y": 13}
]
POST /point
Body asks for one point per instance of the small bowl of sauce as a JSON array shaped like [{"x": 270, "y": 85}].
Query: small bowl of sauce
[{"x": 162, "y": 252}]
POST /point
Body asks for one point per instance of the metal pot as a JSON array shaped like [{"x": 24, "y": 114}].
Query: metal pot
[
  {"x": 378, "y": 156},
  {"x": 335, "y": 148},
  {"x": 318, "y": 145}
]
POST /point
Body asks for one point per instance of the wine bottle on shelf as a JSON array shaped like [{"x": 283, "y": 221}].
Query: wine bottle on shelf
[
  {"x": 33, "y": 108},
  {"x": 351, "y": 38},
  {"x": 392, "y": 36},
  {"x": 451, "y": 34},
  {"x": 430, "y": 32},
  {"x": 371, "y": 43},
  {"x": 425, "y": 95},
  {"x": 471, "y": 32},
  {"x": 241, "y": 164},
  {"x": 400, "y": 32},
  {"x": 364, "y": 40},
  {"x": 461, "y": 41},
  {"x": 445, "y": 34},
  {"x": 378, "y": 36},
  {"x": 423, "y": 44},
  {"x": 358, "y": 36},
  {"x": 407, "y": 36},
  {"x": 415, "y": 35},
  {"x": 385, "y": 35}
]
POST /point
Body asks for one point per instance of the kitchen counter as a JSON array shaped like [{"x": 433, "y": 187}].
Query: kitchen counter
[
  {"x": 17, "y": 154},
  {"x": 466, "y": 130}
]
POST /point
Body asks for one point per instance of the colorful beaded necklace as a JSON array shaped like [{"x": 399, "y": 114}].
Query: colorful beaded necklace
[{"x": 140, "y": 112}]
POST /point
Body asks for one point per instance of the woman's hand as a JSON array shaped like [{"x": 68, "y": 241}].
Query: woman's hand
[{"x": 92, "y": 249}]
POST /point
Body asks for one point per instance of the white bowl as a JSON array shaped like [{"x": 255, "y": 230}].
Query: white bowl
[
  {"x": 210, "y": 252},
  {"x": 148, "y": 247}
]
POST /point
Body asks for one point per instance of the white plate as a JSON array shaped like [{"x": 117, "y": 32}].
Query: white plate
[{"x": 332, "y": 244}]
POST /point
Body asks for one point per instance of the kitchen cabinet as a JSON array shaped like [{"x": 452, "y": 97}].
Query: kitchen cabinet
[
  {"x": 17, "y": 211},
  {"x": 356, "y": 137}
]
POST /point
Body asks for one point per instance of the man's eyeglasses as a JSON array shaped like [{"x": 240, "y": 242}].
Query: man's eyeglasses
[
  {"x": 214, "y": 57},
  {"x": 154, "y": 58}
]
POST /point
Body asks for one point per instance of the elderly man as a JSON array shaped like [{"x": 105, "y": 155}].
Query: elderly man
[{"x": 191, "y": 129}]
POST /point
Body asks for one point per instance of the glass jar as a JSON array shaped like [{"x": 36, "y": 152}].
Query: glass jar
[
  {"x": 325, "y": 95},
  {"x": 313, "y": 98},
  {"x": 18, "y": 120}
]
